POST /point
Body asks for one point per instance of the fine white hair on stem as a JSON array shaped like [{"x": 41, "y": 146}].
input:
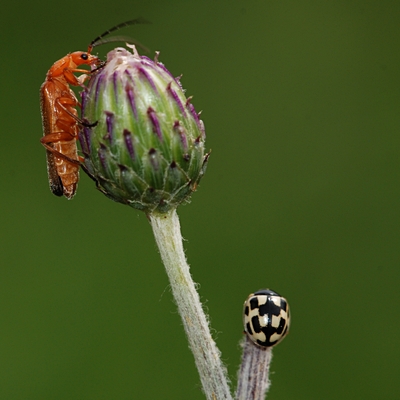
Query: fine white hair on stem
[
  {"x": 213, "y": 376},
  {"x": 253, "y": 377}
]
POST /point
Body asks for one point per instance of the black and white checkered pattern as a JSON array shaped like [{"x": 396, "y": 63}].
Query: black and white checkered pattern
[{"x": 266, "y": 317}]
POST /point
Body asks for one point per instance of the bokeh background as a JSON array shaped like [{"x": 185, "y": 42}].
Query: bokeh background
[{"x": 300, "y": 101}]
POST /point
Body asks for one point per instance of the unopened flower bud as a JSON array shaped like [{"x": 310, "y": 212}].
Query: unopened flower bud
[{"x": 146, "y": 145}]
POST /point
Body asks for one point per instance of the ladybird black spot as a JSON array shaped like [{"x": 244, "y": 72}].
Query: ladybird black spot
[
  {"x": 269, "y": 308},
  {"x": 248, "y": 328},
  {"x": 269, "y": 331},
  {"x": 281, "y": 326},
  {"x": 255, "y": 322},
  {"x": 253, "y": 303},
  {"x": 246, "y": 311}
]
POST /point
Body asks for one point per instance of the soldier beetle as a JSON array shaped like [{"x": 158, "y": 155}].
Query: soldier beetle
[{"x": 60, "y": 119}]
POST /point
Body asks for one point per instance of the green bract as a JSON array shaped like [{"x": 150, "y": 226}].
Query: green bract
[{"x": 147, "y": 148}]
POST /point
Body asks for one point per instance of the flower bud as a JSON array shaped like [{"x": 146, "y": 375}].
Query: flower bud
[{"x": 144, "y": 141}]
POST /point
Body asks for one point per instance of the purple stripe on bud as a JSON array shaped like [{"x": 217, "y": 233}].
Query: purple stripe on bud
[
  {"x": 110, "y": 126},
  {"x": 115, "y": 84},
  {"x": 128, "y": 143},
  {"x": 145, "y": 58},
  {"x": 176, "y": 98},
  {"x": 127, "y": 72},
  {"x": 99, "y": 83},
  {"x": 161, "y": 66},
  {"x": 88, "y": 137},
  {"x": 181, "y": 132},
  {"x": 131, "y": 98},
  {"x": 148, "y": 77},
  {"x": 154, "y": 159},
  {"x": 84, "y": 139},
  {"x": 84, "y": 96},
  {"x": 192, "y": 111},
  {"x": 154, "y": 121},
  {"x": 147, "y": 61},
  {"x": 103, "y": 156},
  {"x": 178, "y": 81}
]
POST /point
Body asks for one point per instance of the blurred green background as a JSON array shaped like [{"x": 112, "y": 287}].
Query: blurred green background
[{"x": 301, "y": 108}]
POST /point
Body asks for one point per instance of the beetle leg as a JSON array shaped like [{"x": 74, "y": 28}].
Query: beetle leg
[
  {"x": 100, "y": 66},
  {"x": 56, "y": 137},
  {"x": 60, "y": 155},
  {"x": 88, "y": 124},
  {"x": 72, "y": 79},
  {"x": 66, "y": 100},
  {"x": 63, "y": 101}
]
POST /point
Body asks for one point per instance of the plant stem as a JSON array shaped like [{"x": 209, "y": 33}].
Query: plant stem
[
  {"x": 166, "y": 229},
  {"x": 253, "y": 379}
]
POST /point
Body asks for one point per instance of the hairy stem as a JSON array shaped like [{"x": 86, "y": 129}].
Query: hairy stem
[
  {"x": 253, "y": 379},
  {"x": 166, "y": 229}
]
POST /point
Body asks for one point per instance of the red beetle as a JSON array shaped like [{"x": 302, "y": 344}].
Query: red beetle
[{"x": 60, "y": 119}]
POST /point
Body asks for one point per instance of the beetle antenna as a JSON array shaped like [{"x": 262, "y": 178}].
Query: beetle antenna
[
  {"x": 126, "y": 39},
  {"x": 99, "y": 40}
]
